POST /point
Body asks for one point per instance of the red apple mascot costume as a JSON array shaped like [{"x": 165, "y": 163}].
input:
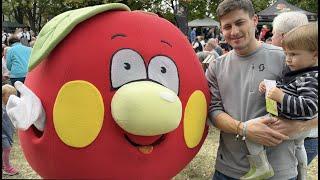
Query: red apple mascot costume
[{"x": 111, "y": 94}]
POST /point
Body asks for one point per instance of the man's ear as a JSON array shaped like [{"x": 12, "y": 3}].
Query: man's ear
[
  {"x": 315, "y": 55},
  {"x": 255, "y": 19}
]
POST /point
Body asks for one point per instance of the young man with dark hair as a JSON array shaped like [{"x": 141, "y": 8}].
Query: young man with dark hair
[{"x": 237, "y": 106}]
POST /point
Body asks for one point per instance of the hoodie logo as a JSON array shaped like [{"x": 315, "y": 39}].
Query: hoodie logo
[{"x": 261, "y": 67}]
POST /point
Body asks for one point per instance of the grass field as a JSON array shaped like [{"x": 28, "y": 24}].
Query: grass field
[{"x": 200, "y": 168}]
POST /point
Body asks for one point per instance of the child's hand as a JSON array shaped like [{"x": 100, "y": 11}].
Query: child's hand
[
  {"x": 262, "y": 87},
  {"x": 276, "y": 94}
]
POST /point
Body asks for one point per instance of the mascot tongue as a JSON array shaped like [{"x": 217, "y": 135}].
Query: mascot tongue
[
  {"x": 145, "y": 149},
  {"x": 144, "y": 142}
]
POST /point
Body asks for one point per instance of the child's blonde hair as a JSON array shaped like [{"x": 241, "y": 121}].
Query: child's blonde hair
[
  {"x": 303, "y": 37},
  {"x": 8, "y": 89}
]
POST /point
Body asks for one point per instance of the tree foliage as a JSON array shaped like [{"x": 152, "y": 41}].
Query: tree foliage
[
  {"x": 308, "y": 5},
  {"x": 35, "y": 13},
  {"x": 260, "y": 5}
]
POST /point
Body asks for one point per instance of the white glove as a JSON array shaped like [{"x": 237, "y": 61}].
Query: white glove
[{"x": 26, "y": 110}]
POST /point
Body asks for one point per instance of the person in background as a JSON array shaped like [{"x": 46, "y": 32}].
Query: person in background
[
  {"x": 237, "y": 107},
  {"x": 265, "y": 33},
  {"x": 193, "y": 35},
  {"x": 7, "y": 131},
  {"x": 26, "y": 34},
  {"x": 201, "y": 39},
  {"x": 207, "y": 51},
  {"x": 197, "y": 45},
  {"x": 211, "y": 33},
  {"x": 217, "y": 48},
  {"x": 282, "y": 24},
  {"x": 5, "y": 71},
  {"x": 18, "y": 33},
  {"x": 25, "y": 37},
  {"x": 4, "y": 37},
  {"x": 17, "y": 59}
]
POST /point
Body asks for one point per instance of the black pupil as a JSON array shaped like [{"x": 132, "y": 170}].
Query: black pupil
[
  {"x": 127, "y": 66},
  {"x": 163, "y": 70}
]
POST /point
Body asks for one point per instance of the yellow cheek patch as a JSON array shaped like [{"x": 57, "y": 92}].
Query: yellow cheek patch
[
  {"x": 195, "y": 115},
  {"x": 78, "y": 113}
]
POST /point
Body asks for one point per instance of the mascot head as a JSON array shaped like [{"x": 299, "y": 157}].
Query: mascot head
[{"x": 124, "y": 95}]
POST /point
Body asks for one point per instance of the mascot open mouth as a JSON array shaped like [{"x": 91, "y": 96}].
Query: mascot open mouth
[
  {"x": 143, "y": 143},
  {"x": 36, "y": 132}
]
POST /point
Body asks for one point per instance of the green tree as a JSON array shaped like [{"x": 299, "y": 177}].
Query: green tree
[
  {"x": 260, "y": 5},
  {"x": 13, "y": 9},
  {"x": 33, "y": 13},
  {"x": 36, "y": 13},
  {"x": 307, "y": 5}
]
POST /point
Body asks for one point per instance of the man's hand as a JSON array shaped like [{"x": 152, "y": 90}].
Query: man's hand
[
  {"x": 258, "y": 130},
  {"x": 276, "y": 94}
]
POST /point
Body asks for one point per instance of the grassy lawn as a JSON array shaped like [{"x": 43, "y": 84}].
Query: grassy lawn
[{"x": 201, "y": 167}]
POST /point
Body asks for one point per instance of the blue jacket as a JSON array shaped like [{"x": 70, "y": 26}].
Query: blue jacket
[{"x": 17, "y": 60}]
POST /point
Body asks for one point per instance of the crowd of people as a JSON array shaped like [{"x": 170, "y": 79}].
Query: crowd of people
[
  {"x": 16, "y": 50},
  {"x": 26, "y": 36},
  {"x": 236, "y": 61},
  {"x": 199, "y": 41},
  {"x": 209, "y": 45}
]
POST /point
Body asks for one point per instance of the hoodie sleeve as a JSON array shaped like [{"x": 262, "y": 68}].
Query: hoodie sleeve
[{"x": 215, "y": 106}]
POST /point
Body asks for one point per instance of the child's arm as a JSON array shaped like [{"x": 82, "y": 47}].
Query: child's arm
[
  {"x": 306, "y": 101},
  {"x": 276, "y": 94}
]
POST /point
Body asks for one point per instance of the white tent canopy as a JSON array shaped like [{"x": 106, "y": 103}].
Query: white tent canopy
[{"x": 205, "y": 22}]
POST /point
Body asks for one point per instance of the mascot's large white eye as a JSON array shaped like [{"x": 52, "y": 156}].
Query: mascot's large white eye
[
  {"x": 126, "y": 66},
  {"x": 163, "y": 70}
]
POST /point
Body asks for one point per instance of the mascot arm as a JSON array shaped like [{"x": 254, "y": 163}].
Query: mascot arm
[{"x": 26, "y": 109}]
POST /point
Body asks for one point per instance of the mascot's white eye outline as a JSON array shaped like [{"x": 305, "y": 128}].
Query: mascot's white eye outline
[
  {"x": 163, "y": 70},
  {"x": 126, "y": 66}
]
